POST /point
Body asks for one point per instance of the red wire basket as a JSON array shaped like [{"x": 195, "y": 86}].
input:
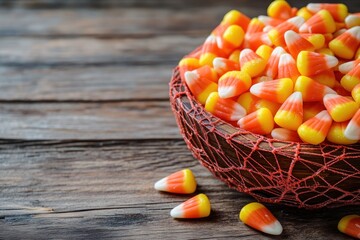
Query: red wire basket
[{"x": 270, "y": 170}]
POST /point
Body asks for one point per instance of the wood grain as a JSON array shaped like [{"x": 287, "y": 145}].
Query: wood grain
[
  {"x": 34, "y": 52},
  {"x": 117, "y": 120},
  {"x": 104, "y": 189},
  {"x": 91, "y": 83}
]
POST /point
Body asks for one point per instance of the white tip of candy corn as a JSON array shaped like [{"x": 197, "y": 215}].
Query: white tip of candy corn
[
  {"x": 191, "y": 77},
  {"x": 226, "y": 91},
  {"x": 177, "y": 212},
  {"x": 273, "y": 229}
]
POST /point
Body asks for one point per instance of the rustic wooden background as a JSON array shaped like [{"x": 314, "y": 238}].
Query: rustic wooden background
[{"x": 86, "y": 128}]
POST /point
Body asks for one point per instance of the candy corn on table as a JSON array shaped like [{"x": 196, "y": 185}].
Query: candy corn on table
[{"x": 87, "y": 129}]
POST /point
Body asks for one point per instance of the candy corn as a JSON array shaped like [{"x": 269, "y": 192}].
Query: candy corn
[
  {"x": 196, "y": 207},
  {"x": 255, "y": 26},
  {"x": 346, "y": 44},
  {"x": 284, "y": 134},
  {"x": 233, "y": 83},
  {"x": 320, "y": 22},
  {"x": 311, "y": 90},
  {"x": 223, "y": 65},
  {"x": 287, "y": 67},
  {"x": 336, "y": 133},
  {"x": 251, "y": 63},
  {"x": 339, "y": 107},
  {"x": 182, "y": 182},
  {"x": 352, "y": 20},
  {"x": 255, "y": 40},
  {"x": 296, "y": 43},
  {"x": 260, "y": 122},
  {"x": 279, "y": 9},
  {"x": 355, "y": 93},
  {"x": 350, "y": 225},
  {"x": 200, "y": 86},
  {"x": 237, "y": 18},
  {"x": 235, "y": 56},
  {"x": 315, "y": 130},
  {"x": 264, "y": 51},
  {"x": 260, "y": 218},
  {"x": 225, "y": 109},
  {"x": 311, "y": 109},
  {"x": 311, "y": 63},
  {"x": 290, "y": 114},
  {"x": 305, "y": 13},
  {"x": 351, "y": 79},
  {"x": 346, "y": 67},
  {"x": 188, "y": 64},
  {"x": 209, "y": 51},
  {"x": 276, "y": 35},
  {"x": 316, "y": 39},
  {"x": 231, "y": 39},
  {"x": 252, "y": 103},
  {"x": 276, "y": 90},
  {"x": 337, "y": 10},
  {"x": 326, "y": 78},
  {"x": 352, "y": 130},
  {"x": 270, "y": 21},
  {"x": 271, "y": 68}
]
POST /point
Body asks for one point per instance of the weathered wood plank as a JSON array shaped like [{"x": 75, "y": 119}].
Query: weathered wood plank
[
  {"x": 114, "y": 120},
  {"x": 104, "y": 189},
  {"x": 30, "y": 52},
  {"x": 112, "y": 23},
  {"x": 149, "y": 3},
  {"x": 85, "y": 83}
]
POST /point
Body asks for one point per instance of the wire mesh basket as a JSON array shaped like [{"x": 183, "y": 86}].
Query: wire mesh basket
[{"x": 273, "y": 171}]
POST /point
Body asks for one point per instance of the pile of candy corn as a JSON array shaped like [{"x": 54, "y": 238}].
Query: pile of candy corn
[
  {"x": 293, "y": 75},
  {"x": 254, "y": 214}
]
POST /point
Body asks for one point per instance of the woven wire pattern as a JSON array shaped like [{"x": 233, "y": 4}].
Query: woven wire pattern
[{"x": 289, "y": 173}]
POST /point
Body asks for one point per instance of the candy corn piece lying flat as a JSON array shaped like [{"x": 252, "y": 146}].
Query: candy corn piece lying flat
[
  {"x": 233, "y": 83},
  {"x": 311, "y": 109},
  {"x": 339, "y": 107},
  {"x": 350, "y": 225},
  {"x": 337, "y": 10},
  {"x": 290, "y": 114},
  {"x": 284, "y": 134},
  {"x": 315, "y": 130},
  {"x": 251, "y": 63},
  {"x": 276, "y": 90},
  {"x": 209, "y": 51},
  {"x": 200, "y": 86},
  {"x": 305, "y": 13},
  {"x": 225, "y": 109},
  {"x": 320, "y": 22},
  {"x": 260, "y": 122},
  {"x": 260, "y": 218},
  {"x": 311, "y": 90},
  {"x": 336, "y": 133},
  {"x": 182, "y": 182},
  {"x": 311, "y": 63},
  {"x": 346, "y": 44},
  {"x": 196, "y": 207},
  {"x": 352, "y": 130}
]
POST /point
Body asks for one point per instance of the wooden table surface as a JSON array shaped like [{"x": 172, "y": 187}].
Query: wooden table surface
[{"x": 86, "y": 127}]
